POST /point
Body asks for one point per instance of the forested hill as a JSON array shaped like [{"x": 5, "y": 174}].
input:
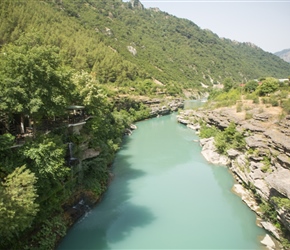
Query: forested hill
[{"x": 121, "y": 42}]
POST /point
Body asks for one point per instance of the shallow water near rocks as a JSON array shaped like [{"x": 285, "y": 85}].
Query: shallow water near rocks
[{"x": 164, "y": 195}]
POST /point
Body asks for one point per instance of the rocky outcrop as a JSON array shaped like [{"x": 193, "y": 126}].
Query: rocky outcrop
[
  {"x": 129, "y": 131},
  {"x": 210, "y": 153},
  {"x": 163, "y": 107},
  {"x": 264, "y": 165}
]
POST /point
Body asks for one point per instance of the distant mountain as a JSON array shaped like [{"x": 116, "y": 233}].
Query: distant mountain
[
  {"x": 123, "y": 42},
  {"x": 284, "y": 54}
]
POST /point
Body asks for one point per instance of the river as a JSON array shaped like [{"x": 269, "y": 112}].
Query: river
[{"x": 164, "y": 195}]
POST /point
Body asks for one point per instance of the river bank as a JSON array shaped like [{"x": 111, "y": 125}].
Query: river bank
[{"x": 263, "y": 168}]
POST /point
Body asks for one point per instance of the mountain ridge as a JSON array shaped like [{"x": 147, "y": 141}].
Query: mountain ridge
[{"x": 284, "y": 54}]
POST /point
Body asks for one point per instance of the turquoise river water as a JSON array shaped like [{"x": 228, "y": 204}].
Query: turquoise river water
[{"x": 164, "y": 195}]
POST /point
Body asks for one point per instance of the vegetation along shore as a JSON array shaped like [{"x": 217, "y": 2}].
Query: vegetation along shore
[{"x": 75, "y": 76}]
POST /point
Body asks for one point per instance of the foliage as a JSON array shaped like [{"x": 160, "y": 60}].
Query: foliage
[
  {"x": 207, "y": 132},
  {"x": 58, "y": 53},
  {"x": 266, "y": 164},
  {"x": 6, "y": 141},
  {"x": 50, "y": 232},
  {"x": 286, "y": 106},
  {"x": 251, "y": 86},
  {"x": 225, "y": 99},
  {"x": 229, "y": 138},
  {"x": 46, "y": 157},
  {"x": 95, "y": 35},
  {"x": 268, "y": 211},
  {"x": 282, "y": 202},
  {"x": 17, "y": 202},
  {"x": 33, "y": 81},
  {"x": 269, "y": 85},
  {"x": 228, "y": 84},
  {"x": 239, "y": 107}
]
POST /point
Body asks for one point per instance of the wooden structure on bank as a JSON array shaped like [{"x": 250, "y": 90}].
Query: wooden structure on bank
[{"x": 21, "y": 126}]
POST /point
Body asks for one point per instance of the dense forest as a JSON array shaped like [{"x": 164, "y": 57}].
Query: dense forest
[{"x": 100, "y": 57}]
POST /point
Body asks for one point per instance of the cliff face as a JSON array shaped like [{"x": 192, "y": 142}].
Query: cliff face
[{"x": 265, "y": 164}]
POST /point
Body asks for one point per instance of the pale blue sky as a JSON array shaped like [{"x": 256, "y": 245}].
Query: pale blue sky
[{"x": 264, "y": 23}]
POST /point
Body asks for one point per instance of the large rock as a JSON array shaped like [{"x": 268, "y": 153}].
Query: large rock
[
  {"x": 253, "y": 126},
  {"x": 271, "y": 228},
  {"x": 246, "y": 196},
  {"x": 262, "y": 117},
  {"x": 90, "y": 153},
  {"x": 210, "y": 154},
  {"x": 279, "y": 141},
  {"x": 256, "y": 141},
  {"x": 268, "y": 242},
  {"x": 284, "y": 161},
  {"x": 262, "y": 188},
  {"x": 280, "y": 181}
]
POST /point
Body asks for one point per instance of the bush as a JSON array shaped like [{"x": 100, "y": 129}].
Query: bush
[
  {"x": 207, "y": 132},
  {"x": 229, "y": 138},
  {"x": 248, "y": 116},
  {"x": 226, "y": 99},
  {"x": 256, "y": 100},
  {"x": 274, "y": 102},
  {"x": 239, "y": 107},
  {"x": 251, "y": 86},
  {"x": 269, "y": 85},
  {"x": 286, "y": 106}
]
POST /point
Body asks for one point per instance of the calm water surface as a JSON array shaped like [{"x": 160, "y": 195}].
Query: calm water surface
[{"x": 166, "y": 196}]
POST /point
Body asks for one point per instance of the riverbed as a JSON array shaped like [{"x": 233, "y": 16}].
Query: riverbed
[{"x": 165, "y": 195}]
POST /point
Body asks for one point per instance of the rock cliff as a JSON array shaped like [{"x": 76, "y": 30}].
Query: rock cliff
[{"x": 264, "y": 166}]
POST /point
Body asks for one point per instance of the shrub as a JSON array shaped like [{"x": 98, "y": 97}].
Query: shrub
[
  {"x": 248, "y": 116},
  {"x": 251, "y": 86},
  {"x": 239, "y": 107},
  {"x": 207, "y": 132},
  {"x": 269, "y": 85},
  {"x": 286, "y": 106},
  {"x": 274, "y": 102},
  {"x": 229, "y": 138},
  {"x": 256, "y": 100}
]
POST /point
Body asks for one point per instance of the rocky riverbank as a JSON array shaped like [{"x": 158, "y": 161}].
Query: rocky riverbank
[
  {"x": 263, "y": 167},
  {"x": 163, "y": 106}
]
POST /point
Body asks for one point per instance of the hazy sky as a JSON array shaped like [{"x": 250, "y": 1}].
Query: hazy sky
[{"x": 264, "y": 23}]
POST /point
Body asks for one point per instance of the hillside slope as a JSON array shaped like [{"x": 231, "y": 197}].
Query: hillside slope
[{"x": 121, "y": 42}]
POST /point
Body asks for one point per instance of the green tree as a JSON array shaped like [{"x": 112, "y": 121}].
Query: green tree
[
  {"x": 33, "y": 80},
  {"x": 269, "y": 85},
  {"x": 228, "y": 84},
  {"x": 88, "y": 92},
  {"x": 251, "y": 86},
  {"x": 45, "y": 156},
  {"x": 17, "y": 202}
]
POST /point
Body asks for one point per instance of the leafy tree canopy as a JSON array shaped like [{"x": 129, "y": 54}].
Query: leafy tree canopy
[
  {"x": 17, "y": 202},
  {"x": 33, "y": 80},
  {"x": 269, "y": 85}
]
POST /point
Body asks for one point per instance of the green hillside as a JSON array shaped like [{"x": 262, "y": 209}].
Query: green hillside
[{"x": 97, "y": 36}]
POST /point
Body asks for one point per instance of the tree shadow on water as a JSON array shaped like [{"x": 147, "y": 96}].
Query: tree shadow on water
[{"x": 116, "y": 216}]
